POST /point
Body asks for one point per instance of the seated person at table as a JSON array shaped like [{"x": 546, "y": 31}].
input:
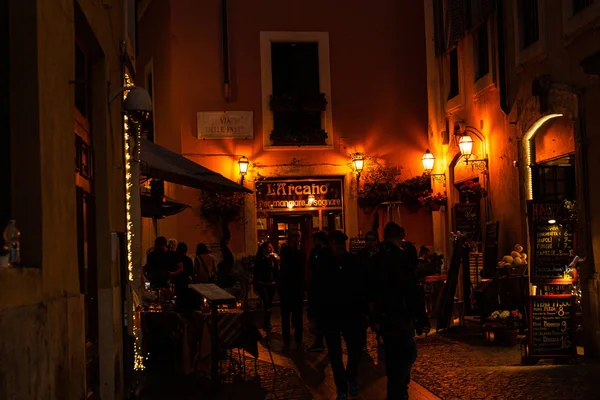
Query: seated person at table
[
  {"x": 424, "y": 266},
  {"x": 162, "y": 264}
]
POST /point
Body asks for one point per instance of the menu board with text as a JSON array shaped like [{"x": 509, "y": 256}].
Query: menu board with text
[
  {"x": 552, "y": 238},
  {"x": 465, "y": 219},
  {"x": 551, "y": 326},
  {"x": 357, "y": 244}
]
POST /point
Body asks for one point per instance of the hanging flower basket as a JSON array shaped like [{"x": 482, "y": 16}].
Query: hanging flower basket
[
  {"x": 433, "y": 202},
  {"x": 411, "y": 191},
  {"x": 224, "y": 206},
  {"x": 472, "y": 191}
]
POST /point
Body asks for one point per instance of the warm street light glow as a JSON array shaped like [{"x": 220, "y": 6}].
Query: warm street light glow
[
  {"x": 290, "y": 204},
  {"x": 359, "y": 162},
  {"x": 311, "y": 200},
  {"x": 243, "y": 165},
  {"x": 551, "y": 221},
  {"x": 465, "y": 144},
  {"x": 428, "y": 161}
]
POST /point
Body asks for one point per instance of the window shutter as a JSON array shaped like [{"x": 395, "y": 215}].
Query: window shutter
[{"x": 457, "y": 22}]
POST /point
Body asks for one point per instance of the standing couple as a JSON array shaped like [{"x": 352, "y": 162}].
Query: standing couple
[{"x": 283, "y": 274}]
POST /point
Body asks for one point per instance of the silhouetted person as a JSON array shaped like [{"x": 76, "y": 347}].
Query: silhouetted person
[
  {"x": 184, "y": 298},
  {"x": 225, "y": 268},
  {"x": 291, "y": 287},
  {"x": 338, "y": 309},
  {"x": 315, "y": 265},
  {"x": 397, "y": 308},
  {"x": 205, "y": 267},
  {"x": 266, "y": 274},
  {"x": 162, "y": 264}
]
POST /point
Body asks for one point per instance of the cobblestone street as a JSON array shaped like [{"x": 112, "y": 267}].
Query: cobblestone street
[{"x": 456, "y": 365}]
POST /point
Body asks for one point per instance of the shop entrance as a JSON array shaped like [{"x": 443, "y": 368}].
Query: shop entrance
[{"x": 282, "y": 224}]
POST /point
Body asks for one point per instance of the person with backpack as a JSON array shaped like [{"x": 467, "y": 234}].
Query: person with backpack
[
  {"x": 205, "y": 267},
  {"x": 397, "y": 309}
]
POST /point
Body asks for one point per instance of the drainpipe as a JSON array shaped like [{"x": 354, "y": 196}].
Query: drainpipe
[
  {"x": 502, "y": 58},
  {"x": 226, "y": 69}
]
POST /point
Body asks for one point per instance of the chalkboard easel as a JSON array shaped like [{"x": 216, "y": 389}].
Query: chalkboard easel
[{"x": 551, "y": 320}]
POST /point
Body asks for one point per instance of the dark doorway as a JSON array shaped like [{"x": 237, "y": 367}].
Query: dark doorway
[{"x": 281, "y": 225}]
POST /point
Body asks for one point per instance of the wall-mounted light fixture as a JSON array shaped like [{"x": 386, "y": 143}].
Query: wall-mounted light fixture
[
  {"x": 358, "y": 160},
  {"x": 243, "y": 164},
  {"x": 428, "y": 163},
  {"x": 311, "y": 199},
  {"x": 465, "y": 144}
]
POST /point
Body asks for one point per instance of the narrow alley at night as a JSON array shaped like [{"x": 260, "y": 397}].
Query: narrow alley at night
[{"x": 299, "y": 199}]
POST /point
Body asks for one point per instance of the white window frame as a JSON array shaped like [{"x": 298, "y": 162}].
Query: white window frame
[
  {"x": 489, "y": 79},
  {"x": 322, "y": 38},
  {"x": 536, "y": 49},
  {"x": 149, "y": 69},
  {"x": 457, "y": 101},
  {"x": 574, "y": 25}
]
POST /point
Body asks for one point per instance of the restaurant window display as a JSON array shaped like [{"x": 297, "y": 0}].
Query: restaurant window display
[{"x": 554, "y": 304}]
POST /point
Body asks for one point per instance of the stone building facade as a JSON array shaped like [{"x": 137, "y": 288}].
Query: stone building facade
[
  {"x": 369, "y": 63},
  {"x": 60, "y": 310},
  {"x": 520, "y": 77}
]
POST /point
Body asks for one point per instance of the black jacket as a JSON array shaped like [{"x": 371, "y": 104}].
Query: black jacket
[
  {"x": 394, "y": 290},
  {"x": 266, "y": 270},
  {"x": 338, "y": 290},
  {"x": 292, "y": 277}
]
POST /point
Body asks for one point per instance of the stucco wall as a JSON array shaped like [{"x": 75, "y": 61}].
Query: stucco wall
[
  {"x": 377, "y": 82},
  {"x": 42, "y": 346}
]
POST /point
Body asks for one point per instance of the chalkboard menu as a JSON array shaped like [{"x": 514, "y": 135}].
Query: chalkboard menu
[
  {"x": 490, "y": 252},
  {"x": 465, "y": 219},
  {"x": 552, "y": 239},
  {"x": 551, "y": 326},
  {"x": 356, "y": 245}
]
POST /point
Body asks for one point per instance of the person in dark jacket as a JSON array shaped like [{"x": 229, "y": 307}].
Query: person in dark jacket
[
  {"x": 291, "y": 287},
  {"x": 315, "y": 265},
  {"x": 398, "y": 309},
  {"x": 184, "y": 297},
  {"x": 225, "y": 277},
  {"x": 338, "y": 308},
  {"x": 366, "y": 257},
  {"x": 425, "y": 267},
  {"x": 266, "y": 274},
  {"x": 162, "y": 264}
]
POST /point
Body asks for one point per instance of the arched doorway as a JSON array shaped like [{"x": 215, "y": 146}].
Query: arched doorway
[{"x": 468, "y": 208}]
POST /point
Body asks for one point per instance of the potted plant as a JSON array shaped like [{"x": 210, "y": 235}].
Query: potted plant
[
  {"x": 506, "y": 325},
  {"x": 411, "y": 191},
  {"x": 433, "y": 202},
  {"x": 373, "y": 194},
  {"x": 472, "y": 191}
]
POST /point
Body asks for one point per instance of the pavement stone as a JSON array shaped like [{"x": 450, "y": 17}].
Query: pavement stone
[{"x": 462, "y": 366}]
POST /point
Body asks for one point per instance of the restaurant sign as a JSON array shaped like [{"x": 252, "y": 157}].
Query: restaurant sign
[
  {"x": 224, "y": 125},
  {"x": 299, "y": 194}
]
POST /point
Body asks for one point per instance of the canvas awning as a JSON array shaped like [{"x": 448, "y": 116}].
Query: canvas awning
[{"x": 160, "y": 163}]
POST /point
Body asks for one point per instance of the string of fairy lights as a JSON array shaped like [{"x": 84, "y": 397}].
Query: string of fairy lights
[{"x": 137, "y": 346}]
